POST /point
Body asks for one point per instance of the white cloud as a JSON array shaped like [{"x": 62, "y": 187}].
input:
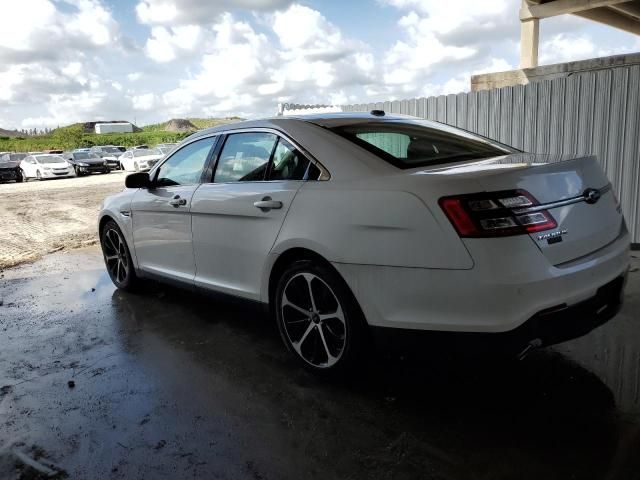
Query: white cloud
[
  {"x": 562, "y": 47},
  {"x": 63, "y": 61},
  {"x": 197, "y": 12},
  {"x": 144, "y": 102},
  {"x": 166, "y": 43}
]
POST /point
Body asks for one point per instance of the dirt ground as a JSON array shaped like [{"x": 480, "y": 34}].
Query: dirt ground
[
  {"x": 42, "y": 217},
  {"x": 96, "y": 383}
]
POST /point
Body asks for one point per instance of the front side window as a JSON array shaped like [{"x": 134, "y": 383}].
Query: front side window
[
  {"x": 245, "y": 157},
  {"x": 419, "y": 144},
  {"x": 186, "y": 165},
  {"x": 288, "y": 163}
]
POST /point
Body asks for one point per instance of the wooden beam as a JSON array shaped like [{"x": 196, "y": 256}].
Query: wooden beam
[
  {"x": 560, "y": 7},
  {"x": 529, "y": 37}
]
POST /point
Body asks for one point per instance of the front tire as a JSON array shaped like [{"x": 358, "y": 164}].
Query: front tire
[
  {"x": 319, "y": 319},
  {"x": 38, "y": 175},
  {"x": 117, "y": 258}
]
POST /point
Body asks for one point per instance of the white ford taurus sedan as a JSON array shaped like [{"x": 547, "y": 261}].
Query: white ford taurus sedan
[{"x": 359, "y": 226}]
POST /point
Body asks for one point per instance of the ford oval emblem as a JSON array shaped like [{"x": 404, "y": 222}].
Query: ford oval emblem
[{"x": 591, "y": 195}]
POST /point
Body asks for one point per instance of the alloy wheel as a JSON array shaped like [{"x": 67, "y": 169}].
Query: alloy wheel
[
  {"x": 313, "y": 320},
  {"x": 115, "y": 255}
]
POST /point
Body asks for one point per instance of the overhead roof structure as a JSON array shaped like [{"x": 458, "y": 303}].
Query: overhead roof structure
[{"x": 622, "y": 14}]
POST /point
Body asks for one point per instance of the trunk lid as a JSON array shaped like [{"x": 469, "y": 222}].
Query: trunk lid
[{"x": 561, "y": 182}]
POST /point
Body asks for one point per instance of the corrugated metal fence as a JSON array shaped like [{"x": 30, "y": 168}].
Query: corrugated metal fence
[{"x": 588, "y": 113}]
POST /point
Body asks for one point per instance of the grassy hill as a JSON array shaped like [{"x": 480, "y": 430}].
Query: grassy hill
[{"x": 80, "y": 135}]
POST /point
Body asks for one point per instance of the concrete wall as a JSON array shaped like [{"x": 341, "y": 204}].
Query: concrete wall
[
  {"x": 587, "y": 113},
  {"x": 524, "y": 76}
]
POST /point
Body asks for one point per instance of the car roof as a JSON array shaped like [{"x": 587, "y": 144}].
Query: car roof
[{"x": 321, "y": 119}]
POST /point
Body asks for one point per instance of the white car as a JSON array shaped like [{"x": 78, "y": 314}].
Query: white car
[
  {"x": 352, "y": 226},
  {"x": 140, "y": 160},
  {"x": 42, "y": 166}
]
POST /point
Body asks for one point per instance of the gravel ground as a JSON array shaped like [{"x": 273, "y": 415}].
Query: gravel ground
[{"x": 43, "y": 217}]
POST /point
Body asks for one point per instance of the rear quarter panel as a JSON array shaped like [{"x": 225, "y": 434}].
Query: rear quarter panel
[{"x": 370, "y": 222}]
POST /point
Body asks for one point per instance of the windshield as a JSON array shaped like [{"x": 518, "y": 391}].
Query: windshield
[
  {"x": 110, "y": 150},
  {"x": 12, "y": 157},
  {"x": 49, "y": 159},
  {"x": 414, "y": 144},
  {"x": 146, "y": 152},
  {"x": 84, "y": 155}
]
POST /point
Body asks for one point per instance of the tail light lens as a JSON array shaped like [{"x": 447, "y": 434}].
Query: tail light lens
[{"x": 496, "y": 214}]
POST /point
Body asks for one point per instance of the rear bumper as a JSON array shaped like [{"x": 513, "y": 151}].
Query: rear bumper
[
  {"x": 549, "y": 326},
  {"x": 92, "y": 169},
  {"x": 489, "y": 298}
]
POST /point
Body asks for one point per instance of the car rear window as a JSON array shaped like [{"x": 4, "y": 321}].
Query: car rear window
[{"x": 418, "y": 144}]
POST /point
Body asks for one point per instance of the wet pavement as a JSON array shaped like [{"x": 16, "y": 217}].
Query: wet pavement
[{"x": 98, "y": 383}]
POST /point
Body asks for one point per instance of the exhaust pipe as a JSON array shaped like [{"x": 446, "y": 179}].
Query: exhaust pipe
[{"x": 535, "y": 343}]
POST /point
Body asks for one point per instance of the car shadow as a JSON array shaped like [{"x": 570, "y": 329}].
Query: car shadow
[{"x": 465, "y": 415}]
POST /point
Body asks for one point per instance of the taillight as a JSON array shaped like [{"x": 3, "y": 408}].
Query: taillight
[{"x": 496, "y": 214}]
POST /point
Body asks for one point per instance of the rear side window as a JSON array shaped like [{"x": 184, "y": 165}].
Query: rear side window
[
  {"x": 245, "y": 157},
  {"x": 418, "y": 144},
  {"x": 288, "y": 163}
]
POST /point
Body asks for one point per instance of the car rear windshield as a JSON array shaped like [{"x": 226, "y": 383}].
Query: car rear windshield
[
  {"x": 110, "y": 150},
  {"x": 49, "y": 159},
  {"x": 16, "y": 157},
  {"x": 418, "y": 144}
]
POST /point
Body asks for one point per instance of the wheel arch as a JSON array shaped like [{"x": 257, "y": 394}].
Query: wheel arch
[
  {"x": 297, "y": 254},
  {"x": 107, "y": 216}
]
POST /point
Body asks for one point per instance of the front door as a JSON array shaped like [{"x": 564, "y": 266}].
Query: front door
[
  {"x": 161, "y": 214},
  {"x": 236, "y": 219}
]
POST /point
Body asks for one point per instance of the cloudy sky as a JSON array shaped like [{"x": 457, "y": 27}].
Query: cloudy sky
[{"x": 63, "y": 61}]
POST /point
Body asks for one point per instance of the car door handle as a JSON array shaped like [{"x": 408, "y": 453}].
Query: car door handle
[
  {"x": 177, "y": 201},
  {"x": 267, "y": 203}
]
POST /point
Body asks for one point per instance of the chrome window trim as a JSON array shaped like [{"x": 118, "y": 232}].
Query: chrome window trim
[{"x": 324, "y": 173}]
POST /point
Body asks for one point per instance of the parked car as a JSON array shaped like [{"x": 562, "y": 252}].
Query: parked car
[
  {"x": 45, "y": 166},
  {"x": 139, "y": 160},
  {"x": 85, "y": 163},
  {"x": 165, "y": 148},
  {"x": 10, "y": 167},
  {"x": 356, "y": 226},
  {"x": 110, "y": 153}
]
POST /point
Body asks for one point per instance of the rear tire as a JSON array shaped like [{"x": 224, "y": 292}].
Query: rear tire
[
  {"x": 319, "y": 319},
  {"x": 117, "y": 258}
]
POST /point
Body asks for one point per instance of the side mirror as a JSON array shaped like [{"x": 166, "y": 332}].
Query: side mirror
[{"x": 138, "y": 180}]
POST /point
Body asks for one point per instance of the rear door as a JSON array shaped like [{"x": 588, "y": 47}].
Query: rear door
[
  {"x": 237, "y": 216},
  {"x": 162, "y": 217}
]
